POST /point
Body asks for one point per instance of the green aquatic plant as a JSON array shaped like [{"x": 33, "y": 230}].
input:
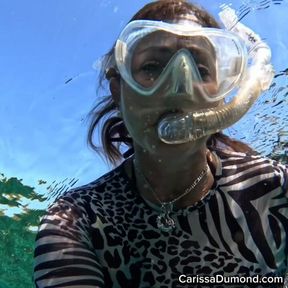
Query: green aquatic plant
[
  {"x": 17, "y": 232},
  {"x": 3, "y": 284}
]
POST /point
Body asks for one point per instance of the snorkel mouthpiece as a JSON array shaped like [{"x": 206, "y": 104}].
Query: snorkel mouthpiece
[{"x": 182, "y": 128}]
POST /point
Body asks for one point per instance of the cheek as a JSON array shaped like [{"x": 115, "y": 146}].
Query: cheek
[
  {"x": 139, "y": 124},
  {"x": 136, "y": 121},
  {"x": 132, "y": 117},
  {"x": 137, "y": 110},
  {"x": 211, "y": 88}
]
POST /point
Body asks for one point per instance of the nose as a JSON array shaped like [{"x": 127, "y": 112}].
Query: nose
[{"x": 184, "y": 74}]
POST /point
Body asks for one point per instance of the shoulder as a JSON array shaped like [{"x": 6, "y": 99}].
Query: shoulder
[
  {"x": 243, "y": 171},
  {"x": 96, "y": 197},
  {"x": 108, "y": 184}
]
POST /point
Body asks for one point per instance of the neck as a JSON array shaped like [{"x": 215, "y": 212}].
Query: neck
[{"x": 169, "y": 177}]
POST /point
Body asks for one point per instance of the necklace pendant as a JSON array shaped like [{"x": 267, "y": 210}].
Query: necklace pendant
[{"x": 164, "y": 221}]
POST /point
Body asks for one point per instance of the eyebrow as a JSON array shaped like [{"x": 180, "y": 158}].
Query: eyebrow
[
  {"x": 162, "y": 49},
  {"x": 168, "y": 50},
  {"x": 202, "y": 51}
]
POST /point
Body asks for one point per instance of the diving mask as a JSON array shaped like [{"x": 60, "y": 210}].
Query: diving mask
[
  {"x": 204, "y": 64},
  {"x": 180, "y": 58}
]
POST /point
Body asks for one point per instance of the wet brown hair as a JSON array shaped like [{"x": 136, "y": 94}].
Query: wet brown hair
[{"x": 104, "y": 114}]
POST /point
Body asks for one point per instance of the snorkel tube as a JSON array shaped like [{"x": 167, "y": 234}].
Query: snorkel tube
[{"x": 182, "y": 128}]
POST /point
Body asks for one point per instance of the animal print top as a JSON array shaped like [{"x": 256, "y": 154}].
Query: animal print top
[{"x": 105, "y": 235}]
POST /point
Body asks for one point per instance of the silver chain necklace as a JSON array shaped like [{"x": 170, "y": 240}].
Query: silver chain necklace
[{"x": 164, "y": 221}]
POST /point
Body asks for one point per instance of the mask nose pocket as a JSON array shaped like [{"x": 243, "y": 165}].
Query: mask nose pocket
[{"x": 181, "y": 74}]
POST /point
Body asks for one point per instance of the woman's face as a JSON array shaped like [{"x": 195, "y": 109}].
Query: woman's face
[{"x": 141, "y": 114}]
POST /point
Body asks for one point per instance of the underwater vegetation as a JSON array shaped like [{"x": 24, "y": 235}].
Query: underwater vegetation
[
  {"x": 21, "y": 208},
  {"x": 17, "y": 232}
]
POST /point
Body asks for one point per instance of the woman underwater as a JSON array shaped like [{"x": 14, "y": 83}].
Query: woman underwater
[{"x": 187, "y": 201}]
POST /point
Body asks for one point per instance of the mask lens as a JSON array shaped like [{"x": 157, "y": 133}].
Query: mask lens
[
  {"x": 150, "y": 57},
  {"x": 153, "y": 53}
]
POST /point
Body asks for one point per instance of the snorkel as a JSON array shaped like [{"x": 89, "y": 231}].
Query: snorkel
[{"x": 182, "y": 128}]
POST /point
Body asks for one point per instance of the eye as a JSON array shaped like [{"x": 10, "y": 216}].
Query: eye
[
  {"x": 151, "y": 67},
  {"x": 204, "y": 73},
  {"x": 147, "y": 71}
]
